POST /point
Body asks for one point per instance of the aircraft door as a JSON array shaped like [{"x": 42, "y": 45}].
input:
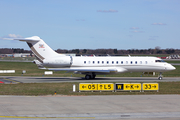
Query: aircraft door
[
  {"x": 71, "y": 60},
  {"x": 165, "y": 66}
]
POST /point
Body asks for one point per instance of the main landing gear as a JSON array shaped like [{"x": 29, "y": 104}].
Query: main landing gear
[
  {"x": 90, "y": 76},
  {"x": 160, "y": 76}
]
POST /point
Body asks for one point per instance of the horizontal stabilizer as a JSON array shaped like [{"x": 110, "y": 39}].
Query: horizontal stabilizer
[{"x": 29, "y": 39}]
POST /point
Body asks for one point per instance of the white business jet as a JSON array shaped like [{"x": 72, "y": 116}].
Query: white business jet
[{"x": 92, "y": 66}]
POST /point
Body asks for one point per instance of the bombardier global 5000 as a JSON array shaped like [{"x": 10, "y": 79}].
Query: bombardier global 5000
[{"x": 92, "y": 66}]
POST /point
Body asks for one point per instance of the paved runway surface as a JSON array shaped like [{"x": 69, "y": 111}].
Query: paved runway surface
[
  {"x": 10, "y": 79},
  {"x": 108, "y": 107},
  {"x": 131, "y": 107}
]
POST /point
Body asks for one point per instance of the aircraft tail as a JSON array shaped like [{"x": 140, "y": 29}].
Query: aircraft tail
[{"x": 39, "y": 48}]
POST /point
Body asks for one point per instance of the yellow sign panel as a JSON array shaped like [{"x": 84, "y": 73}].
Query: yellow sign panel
[
  {"x": 118, "y": 86},
  {"x": 88, "y": 86},
  {"x": 150, "y": 86},
  {"x": 132, "y": 86},
  {"x": 105, "y": 86}
]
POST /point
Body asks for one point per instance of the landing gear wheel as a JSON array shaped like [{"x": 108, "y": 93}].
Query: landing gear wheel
[
  {"x": 87, "y": 77},
  {"x": 160, "y": 78}
]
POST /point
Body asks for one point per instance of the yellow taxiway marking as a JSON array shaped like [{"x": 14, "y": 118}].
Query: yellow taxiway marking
[
  {"x": 47, "y": 117},
  {"x": 10, "y": 80}
]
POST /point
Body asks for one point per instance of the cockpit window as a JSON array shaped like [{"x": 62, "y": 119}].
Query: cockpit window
[{"x": 159, "y": 61}]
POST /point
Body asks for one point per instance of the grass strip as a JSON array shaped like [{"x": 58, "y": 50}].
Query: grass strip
[{"x": 38, "y": 89}]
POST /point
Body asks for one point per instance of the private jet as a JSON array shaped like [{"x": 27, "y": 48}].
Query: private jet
[{"x": 94, "y": 65}]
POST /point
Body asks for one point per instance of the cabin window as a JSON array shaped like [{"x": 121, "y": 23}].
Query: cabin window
[
  {"x": 107, "y": 62},
  {"x": 98, "y": 62},
  {"x": 131, "y": 62},
  {"x": 126, "y": 62},
  {"x": 136, "y": 62},
  {"x": 93, "y": 62},
  {"x": 102, "y": 62},
  {"x": 140, "y": 62},
  {"x": 121, "y": 62},
  {"x": 146, "y": 62},
  {"x": 112, "y": 62},
  {"x": 89, "y": 62},
  {"x": 84, "y": 62},
  {"x": 116, "y": 62}
]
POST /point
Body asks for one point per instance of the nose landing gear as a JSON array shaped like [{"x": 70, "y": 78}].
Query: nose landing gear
[{"x": 160, "y": 76}]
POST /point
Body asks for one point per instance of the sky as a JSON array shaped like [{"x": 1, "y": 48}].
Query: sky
[{"x": 92, "y": 24}]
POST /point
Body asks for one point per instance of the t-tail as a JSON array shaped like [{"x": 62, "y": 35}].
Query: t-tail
[{"x": 40, "y": 48}]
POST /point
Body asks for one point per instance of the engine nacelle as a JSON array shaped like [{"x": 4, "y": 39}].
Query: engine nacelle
[{"x": 64, "y": 61}]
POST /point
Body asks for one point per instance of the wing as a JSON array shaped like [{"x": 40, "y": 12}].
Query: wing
[{"x": 91, "y": 69}]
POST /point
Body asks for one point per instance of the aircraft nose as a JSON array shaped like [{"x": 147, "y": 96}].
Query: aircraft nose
[
  {"x": 173, "y": 68},
  {"x": 170, "y": 67}
]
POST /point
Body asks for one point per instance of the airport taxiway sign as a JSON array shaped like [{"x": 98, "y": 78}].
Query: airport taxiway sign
[
  {"x": 150, "y": 86},
  {"x": 128, "y": 86},
  {"x": 106, "y": 86},
  {"x": 96, "y": 87},
  {"x": 88, "y": 86}
]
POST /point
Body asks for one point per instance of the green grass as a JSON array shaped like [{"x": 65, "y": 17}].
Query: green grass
[
  {"x": 66, "y": 89},
  {"x": 32, "y": 70},
  {"x": 173, "y": 61},
  {"x": 18, "y": 58}
]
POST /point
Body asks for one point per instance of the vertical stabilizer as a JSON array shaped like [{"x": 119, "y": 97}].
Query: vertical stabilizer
[{"x": 39, "y": 48}]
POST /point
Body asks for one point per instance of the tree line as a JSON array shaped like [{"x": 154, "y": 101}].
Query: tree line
[
  {"x": 99, "y": 51},
  {"x": 13, "y": 50},
  {"x": 119, "y": 52}
]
